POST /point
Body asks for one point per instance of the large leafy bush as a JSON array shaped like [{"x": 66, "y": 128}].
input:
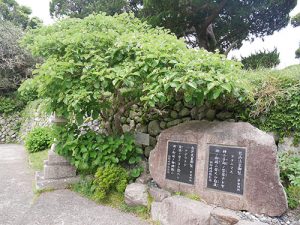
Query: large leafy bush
[{"x": 102, "y": 65}]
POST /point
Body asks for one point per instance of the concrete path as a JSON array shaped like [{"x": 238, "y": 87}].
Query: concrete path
[{"x": 19, "y": 206}]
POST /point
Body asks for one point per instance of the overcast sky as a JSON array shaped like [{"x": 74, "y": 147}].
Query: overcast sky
[{"x": 286, "y": 40}]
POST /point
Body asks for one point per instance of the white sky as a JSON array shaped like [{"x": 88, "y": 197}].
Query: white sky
[{"x": 286, "y": 40}]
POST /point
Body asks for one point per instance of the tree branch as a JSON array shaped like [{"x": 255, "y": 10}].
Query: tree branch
[{"x": 214, "y": 14}]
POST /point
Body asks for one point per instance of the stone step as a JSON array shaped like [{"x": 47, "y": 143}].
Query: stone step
[
  {"x": 55, "y": 184},
  {"x": 59, "y": 171}
]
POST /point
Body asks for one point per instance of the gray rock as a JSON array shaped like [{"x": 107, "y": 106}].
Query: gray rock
[
  {"x": 174, "y": 114},
  {"x": 144, "y": 178},
  {"x": 287, "y": 145},
  {"x": 211, "y": 114},
  {"x": 245, "y": 222},
  {"x": 147, "y": 151},
  {"x": 194, "y": 113},
  {"x": 125, "y": 128},
  {"x": 159, "y": 194},
  {"x": 58, "y": 171},
  {"x": 201, "y": 115},
  {"x": 224, "y": 115},
  {"x": 177, "y": 210},
  {"x": 178, "y": 106},
  {"x": 184, "y": 112},
  {"x": 142, "y": 128},
  {"x": 152, "y": 141},
  {"x": 136, "y": 194},
  {"x": 154, "y": 128},
  {"x": 185, "y": 119},
  {"x": 188, "y": 105},
  {"x": 163, "y": 125},
  {"x": 174, "y": 123},
  {"x": 220, "y": 216}
]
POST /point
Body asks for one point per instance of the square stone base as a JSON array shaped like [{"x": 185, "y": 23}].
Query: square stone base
[{"x": 55, "y": 184}]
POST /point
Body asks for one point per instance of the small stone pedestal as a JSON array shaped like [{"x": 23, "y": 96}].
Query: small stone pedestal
[{"x": 57, "y": 173}]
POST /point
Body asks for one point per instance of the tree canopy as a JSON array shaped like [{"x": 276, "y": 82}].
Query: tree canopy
[
  {"x": 83, "y": 8},
  {"x": 219, "y": 24},
  {"x": 19, "y": 15},
  {"x": 15, "y": 62},
  {"x": 296, "y": 22}
]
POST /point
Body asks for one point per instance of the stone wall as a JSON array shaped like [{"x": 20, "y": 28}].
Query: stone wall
[
  {"x": 14, "y": 127},
  {"x": 9, "y": 128},
  {"x": 153, "y": 123}
]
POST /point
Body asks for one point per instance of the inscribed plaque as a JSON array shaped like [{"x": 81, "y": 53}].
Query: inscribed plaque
[
  {"x": 226, "y": 168},
  {"x": 181, "y": 161}
]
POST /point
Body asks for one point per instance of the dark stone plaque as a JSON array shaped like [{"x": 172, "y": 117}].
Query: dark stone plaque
[
  {"x": 226, "y": 168},
  {"x": 181, "y": 161}
]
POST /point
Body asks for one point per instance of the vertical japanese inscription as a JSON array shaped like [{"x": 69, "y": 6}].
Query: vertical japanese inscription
[
  {"x": 181, "y": 161},
  {"x": 226, "y": 168}
]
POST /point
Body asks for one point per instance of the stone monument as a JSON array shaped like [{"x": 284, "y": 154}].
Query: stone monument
[
  {"x": 57, "y": 173},
  {"x": 232, "y": 165}
]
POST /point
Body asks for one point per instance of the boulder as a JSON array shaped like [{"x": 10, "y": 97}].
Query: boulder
[
  {"x": 178, "y": 210},
  {"x": 136, "y": 194},
  {"x": 254, "y": 186},
  {"x": 154, "y": 128},
  {"x": 220, "y": 216},
  {"x": 159, "y": 194}
]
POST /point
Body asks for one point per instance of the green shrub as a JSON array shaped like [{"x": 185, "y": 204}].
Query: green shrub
[
  {"x": 289, "y": 164},
  {"x": 261, "y": 59},
  {"x": 276, "y": 105},
  {"x": 109, "y": 179},
  {"x": 38, "y": 139},
  {"x": 89, "y": 150},
  {"x": 105, "y": 64},
  {"x": 9, "y": 104},
  {"x": 28, "y": 90}
]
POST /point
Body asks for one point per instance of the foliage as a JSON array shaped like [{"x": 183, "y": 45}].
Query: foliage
[
  {"x": 19, "y": 15},
  {"x": 38, "y": 139},
  {"x": 296, "y": 20},
  {"x": 15, "y": 62},
  {"x": 290, "y": 176},
  {"x": 83, "y": 8},
  {"x": 276, "y": 105},
  {"x": 109, "y": 179},
  {"x": 114, "y": 199},
  {"x": 36, "y": 160},
  {"x": 103, "y": 65},
  {"x": 89, "y": 150},
  {"x": 28, "y": 90},
  {"x": 261, "y": 59},
  {"x": 219, "y": 24},
  {"x": 10, "y": 103}
]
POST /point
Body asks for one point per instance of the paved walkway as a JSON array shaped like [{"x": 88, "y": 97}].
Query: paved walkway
[{"x": 19, "y": 206}]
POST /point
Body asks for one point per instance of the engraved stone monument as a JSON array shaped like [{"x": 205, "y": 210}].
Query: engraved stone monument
[{"x": 227, "y": 164}]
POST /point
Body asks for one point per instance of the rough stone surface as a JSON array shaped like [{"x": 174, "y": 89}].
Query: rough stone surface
[
  {"x": 211, "y": 114},
  {"x": 58, "y": 171},
  {"x": 220, "y": 216},
  {"x": 244, "y": 222},
  {"x": 55, "y": 184},
  {"x": 136, "y": 194},
  {"x": 159, "y": 194},
  {"x": 184, "y": 112},
  {"x": 154, "y": 128},
  {"x": 178, "y": 210},
  {"x": 287, "y": 145},
  {"x": 263, "y": 192}
]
